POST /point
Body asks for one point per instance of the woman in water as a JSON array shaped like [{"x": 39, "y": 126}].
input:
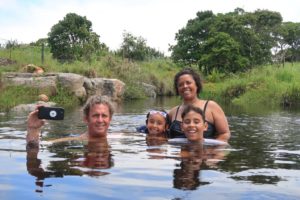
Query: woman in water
[{"x": 188, "y": 85}]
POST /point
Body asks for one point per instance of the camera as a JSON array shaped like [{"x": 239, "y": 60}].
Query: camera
[{"x": 52, "y": 113}]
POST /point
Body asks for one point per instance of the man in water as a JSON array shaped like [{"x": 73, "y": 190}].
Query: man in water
[{"x": 97, "y": 111}]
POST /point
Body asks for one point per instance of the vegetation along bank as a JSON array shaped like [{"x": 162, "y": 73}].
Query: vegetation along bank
[{"x": 244, "y": 57}]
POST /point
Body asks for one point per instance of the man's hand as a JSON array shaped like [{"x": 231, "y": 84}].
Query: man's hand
[{"x": 34, "y": 125}]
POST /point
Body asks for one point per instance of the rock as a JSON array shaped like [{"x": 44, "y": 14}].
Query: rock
[
  {"x": 80, "y": 86},
  {"x": 45, "y": 84},
  {"x": 31, "y": 68},
  {"x": 113, "y": 88},
  {"x": 43, "y": 97},
  {"x": 80, "y": 93},
  {"x": 70, "y": 81},
  {"x": 149, "y": 90},
  {"x": 73, "y": 83},
  {"x": 31, "y": 107}
]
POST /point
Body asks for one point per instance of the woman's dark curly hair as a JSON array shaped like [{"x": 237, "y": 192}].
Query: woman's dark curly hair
[{"x": 194, "y": 75}]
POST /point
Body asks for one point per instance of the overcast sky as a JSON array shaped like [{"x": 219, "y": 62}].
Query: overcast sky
[{"x": 157, "y": 21}]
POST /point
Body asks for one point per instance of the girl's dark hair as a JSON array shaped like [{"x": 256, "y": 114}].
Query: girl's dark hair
[
  {"x": 190, "y": 108},
  {"x": 160, "y": 110},
  {"x": 194, "y": 75}
]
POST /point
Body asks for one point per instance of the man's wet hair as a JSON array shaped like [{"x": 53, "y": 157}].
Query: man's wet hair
[{"x": 97, "y": 99}]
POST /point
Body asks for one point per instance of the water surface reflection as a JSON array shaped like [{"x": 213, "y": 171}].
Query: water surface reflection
[{"x": 262, "y": 161}]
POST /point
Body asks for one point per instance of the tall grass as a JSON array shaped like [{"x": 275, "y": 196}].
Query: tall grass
[
  {"x": 265, "y": 85},
  {"x": 160, "y": 73},
  {"x": 13, "y": 96}
]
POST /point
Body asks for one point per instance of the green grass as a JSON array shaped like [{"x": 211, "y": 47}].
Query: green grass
[
  {"x": 13, "y": 96},
  {"x": 264, "y": 85},
  {"x": 159, "y": 73}
]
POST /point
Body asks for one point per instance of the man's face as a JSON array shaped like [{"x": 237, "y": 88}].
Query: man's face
[{"x": 98, "y": 120}]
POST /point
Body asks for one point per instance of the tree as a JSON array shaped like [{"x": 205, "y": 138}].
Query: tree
[
  {"x": 190, "y": 38},
  {"x": 265, "y": 25},
  {"x": 135, "y": 48},
  {"x": 249, "y": 35},
  {"x": 291, "y": 35},
  {"x": 73, "y": 39},
  {"x": 221, "y": 53}
]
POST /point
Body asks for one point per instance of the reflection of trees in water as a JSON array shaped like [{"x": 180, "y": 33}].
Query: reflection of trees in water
[
  {"x": 97, "y": 156},
  {"x": 258, "y": 139},
  {"x": 259, "y": 179}
]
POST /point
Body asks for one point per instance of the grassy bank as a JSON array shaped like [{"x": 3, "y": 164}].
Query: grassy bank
[
  {"x": 159, "y": 73},
  {"x": 265, "y": 85}
]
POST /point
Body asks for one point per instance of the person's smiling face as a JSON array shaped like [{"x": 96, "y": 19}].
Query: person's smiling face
[
  {"x": 98, "y": 120},
  {"x": 193, "y": 126},
  {"x": 187, "y": 87},
  {"x": 156, "y": 124}
]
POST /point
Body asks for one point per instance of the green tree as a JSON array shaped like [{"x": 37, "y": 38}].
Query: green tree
[
  {"x": 265, "y": 25},
  {"x": 73, "y": 39},
  {"x": 190, "y": 38},
  {"x": 249, "y": 35},
  {"x": 11, "y": 44},
  {"x": 221, "y": 53},
  {"x": 291, "y": 35},
  {"x": 135, "y": 48}
]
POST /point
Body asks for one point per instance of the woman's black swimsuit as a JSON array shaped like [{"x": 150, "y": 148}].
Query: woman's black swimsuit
[{"x": 176, "y": 132}]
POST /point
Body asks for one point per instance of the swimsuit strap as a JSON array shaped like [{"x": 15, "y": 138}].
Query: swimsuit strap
[
  {"x": 205, "y": 106},
  {"x": 204, "y": 110},
  {"x": 177, "y": 112}
]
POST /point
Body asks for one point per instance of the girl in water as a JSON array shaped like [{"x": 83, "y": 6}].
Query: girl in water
[{"x": 157, "y": 123}]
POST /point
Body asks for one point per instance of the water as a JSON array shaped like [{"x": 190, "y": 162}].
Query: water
[{"x": 262, "y": 161}]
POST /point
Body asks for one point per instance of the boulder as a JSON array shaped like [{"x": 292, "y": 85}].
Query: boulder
[
  {"x": 31, "y": 68},
  {"x": 70, "y": 81},
  {"x": 73, "y": 83},
  {"x": 45, "y": 84},
  {"x": 113, "y": 88},
  {"x": 149, "y": 90},
  {"x": 43, "y": 97},
  {"x": 31, "y": 107},
  {"x": 80, "y": 86}
]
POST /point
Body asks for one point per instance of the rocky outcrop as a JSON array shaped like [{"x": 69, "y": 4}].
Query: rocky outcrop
[
  {"x": 80, "y": 86},
  {"x": 45, "y": 84},
  {"x": 149, "y": 90},
  {"x": 113, "y": 88},
  {"x": 31, "y": 107},
  {"x": 73, "y": 83}
]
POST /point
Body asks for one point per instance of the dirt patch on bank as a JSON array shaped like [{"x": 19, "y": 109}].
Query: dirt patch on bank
[{"x": 6, "y": 62}]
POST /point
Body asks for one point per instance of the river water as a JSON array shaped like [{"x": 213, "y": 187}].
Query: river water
[{"x": 262, "y": 161}]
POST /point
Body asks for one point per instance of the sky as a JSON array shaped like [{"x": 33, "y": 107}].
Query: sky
[{"x": 157, "y": 21}]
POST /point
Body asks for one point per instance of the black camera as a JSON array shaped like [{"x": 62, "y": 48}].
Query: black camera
[{"x": 51, "y": 113}]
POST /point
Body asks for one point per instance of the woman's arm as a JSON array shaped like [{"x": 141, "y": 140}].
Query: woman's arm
[{"x": 220, "y": 122}]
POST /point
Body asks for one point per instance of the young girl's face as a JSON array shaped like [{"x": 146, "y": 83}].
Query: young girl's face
[
  {"x": 193, "y": 126},
  {"x": 156, "y": 124}
]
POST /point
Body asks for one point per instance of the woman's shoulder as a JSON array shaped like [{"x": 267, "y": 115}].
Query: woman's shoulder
[
  {"x": 214, "y": 108},
  {"x": 212, "y": 104},
  {"x": 173, "y": 110}
]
